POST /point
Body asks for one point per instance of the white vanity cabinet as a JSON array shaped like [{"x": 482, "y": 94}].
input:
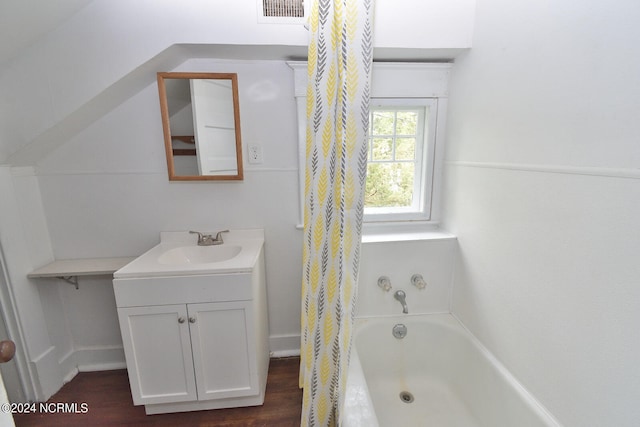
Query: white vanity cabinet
[
  {"x": 202, "y": 351},
  {"x": 197, "y": 341},
  {"x": 158, "y": 352}
]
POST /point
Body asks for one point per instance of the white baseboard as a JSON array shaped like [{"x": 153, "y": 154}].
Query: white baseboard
[
  {"x": 107, "y": 358},
  {"x": 68, "y": 366},
  {"x": 52, "y": 373},
  {"x": 48, "y": 376},
  {"x": 284, "y": 345},
  {"x": 284, "y": 353},
  {"x": 89, "y": 359}
]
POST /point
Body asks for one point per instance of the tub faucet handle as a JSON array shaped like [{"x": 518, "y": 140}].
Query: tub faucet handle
[
  {"x": 384, "y": 283},
  {"x": 418, "y": 281},
  {"x": 402, "y": 297}
]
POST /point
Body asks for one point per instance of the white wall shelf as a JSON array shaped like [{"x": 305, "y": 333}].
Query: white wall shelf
[{"x": 70, "y": 269}]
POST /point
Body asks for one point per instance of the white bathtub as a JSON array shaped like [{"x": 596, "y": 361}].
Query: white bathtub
[{"x": 452, "y": 378}]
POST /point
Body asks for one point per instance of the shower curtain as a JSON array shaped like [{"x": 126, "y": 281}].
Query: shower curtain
[{"x": 339, "y": 71}]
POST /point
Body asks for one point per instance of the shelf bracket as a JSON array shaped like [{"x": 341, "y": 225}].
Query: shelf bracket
[{"x": 72, "y": 280}]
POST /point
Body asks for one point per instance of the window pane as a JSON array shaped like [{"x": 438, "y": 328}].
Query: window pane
[
  {"x": 405, "y": 149},
  {"x": 407, "y": 123},
  {"x": 382, "y": 149},
  {"x": 389, "y": 185},
  {"x": 382, "y": 122}
]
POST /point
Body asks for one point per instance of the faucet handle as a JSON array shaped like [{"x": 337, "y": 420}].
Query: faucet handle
[
  {"x": 385, "y": 283},
  {"x": 218, "y": 240},
  {"x": 219, "y": 234},
  {"x": 418, "y": 281},
  {"x": 203, "y": 239}
]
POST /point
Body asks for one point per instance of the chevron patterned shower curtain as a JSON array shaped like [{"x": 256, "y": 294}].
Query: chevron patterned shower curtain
[{"x": 339, "y": 71}]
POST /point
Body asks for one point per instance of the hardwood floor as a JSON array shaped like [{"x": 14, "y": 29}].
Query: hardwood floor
[{"x": 109, "y": 403}]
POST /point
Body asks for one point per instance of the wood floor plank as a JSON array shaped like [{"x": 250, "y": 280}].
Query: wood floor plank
[{"x": 109, "y": 403}]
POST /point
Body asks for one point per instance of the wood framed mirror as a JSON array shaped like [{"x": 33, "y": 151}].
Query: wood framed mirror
[{"x": 201, "y": 124}]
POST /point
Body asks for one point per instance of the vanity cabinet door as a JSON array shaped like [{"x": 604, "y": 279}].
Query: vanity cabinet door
[
  {"x": 224, "y": 352},
  {"x": 158, "y": 352}
]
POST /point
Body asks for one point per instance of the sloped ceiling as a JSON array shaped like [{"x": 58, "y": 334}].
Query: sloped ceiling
[
  {"x": 22, "y": 22},
  {"x": 66, "y": 63},
  {"x": 63, "y": 73},
  {"x": 139, "y": 78}
]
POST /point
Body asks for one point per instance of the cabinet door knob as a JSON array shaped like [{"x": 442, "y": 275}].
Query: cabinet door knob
[
  {"x": 181, "y": 319},
  {"x": 192, "y": 320}
]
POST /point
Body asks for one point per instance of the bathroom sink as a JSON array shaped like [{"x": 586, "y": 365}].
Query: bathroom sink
[
  {"x": 178, "y": 254},
  {"x": 198, "y": 254}
]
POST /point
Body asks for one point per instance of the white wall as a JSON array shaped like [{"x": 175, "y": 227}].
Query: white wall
[
  {"x": 81, "y": 105},
  {"x": 25, "y": 240},
  {"x": 433, "y": 257},
  {"x": 106, "y": 193},
  {"x": 543, "y": 192}
]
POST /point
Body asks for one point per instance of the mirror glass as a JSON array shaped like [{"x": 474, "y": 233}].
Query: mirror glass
[{"x": 201, "y": 122}]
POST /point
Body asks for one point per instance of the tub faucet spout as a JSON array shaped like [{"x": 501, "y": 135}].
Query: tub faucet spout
[{"x": 402, "y": 297}]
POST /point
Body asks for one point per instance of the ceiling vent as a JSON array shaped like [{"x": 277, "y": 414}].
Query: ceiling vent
[{"x": 281, "y": 11}]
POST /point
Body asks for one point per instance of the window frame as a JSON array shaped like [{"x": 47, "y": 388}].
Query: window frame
[
  {"x": 425, "y": 155},
  {"x": 390, "y": 80}
]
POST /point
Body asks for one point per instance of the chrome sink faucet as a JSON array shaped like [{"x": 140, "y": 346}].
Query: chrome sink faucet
[
  {"x": 208, "y": 239},
  {"x": 401, "y": 296}
]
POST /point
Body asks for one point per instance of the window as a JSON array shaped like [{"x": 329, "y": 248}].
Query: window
[
  {"x": 406, "y": 142},
  {"x": 400, "y": 162}
]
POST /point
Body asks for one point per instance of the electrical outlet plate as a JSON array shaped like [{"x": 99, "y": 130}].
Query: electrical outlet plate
[{"x": 255, "y": 154}]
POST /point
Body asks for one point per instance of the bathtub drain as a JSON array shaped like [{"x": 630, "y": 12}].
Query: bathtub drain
[
  {"x": 406, "y": 397},
  {"x": 399, "y": 331}
]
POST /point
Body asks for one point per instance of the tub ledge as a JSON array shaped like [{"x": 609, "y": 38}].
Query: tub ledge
[{"x": 358, "y": 408}]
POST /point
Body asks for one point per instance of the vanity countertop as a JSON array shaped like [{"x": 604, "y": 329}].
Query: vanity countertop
[{"x": 148, "y": 265}]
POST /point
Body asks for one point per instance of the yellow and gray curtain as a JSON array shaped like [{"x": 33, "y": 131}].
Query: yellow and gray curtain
[{"x": 339, "y": 71}]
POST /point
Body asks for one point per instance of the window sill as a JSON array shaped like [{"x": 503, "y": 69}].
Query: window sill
[
  {"x": 403, "y": 231},
  {"x": 400, "y": 231}
]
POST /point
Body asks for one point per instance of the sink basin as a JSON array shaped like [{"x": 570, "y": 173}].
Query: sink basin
[
  {"x": 178, "y": 254},
  {"x": 186, "y": 255}
]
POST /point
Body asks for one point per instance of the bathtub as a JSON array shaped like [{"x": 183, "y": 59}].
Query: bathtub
[{"x": 437, "y": 375}]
